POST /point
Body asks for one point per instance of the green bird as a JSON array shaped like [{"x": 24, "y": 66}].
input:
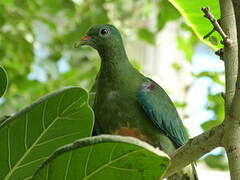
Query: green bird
[{"x": 128, "y": 103}]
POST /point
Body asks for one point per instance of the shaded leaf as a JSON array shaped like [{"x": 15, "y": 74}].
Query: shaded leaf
[
  {"x": 105, "y": 157},
  {"x": 3, "y": 81},
  {"x": 30, "y": 136}
]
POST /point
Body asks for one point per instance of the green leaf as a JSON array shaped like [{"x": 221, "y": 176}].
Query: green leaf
[
  {"x": 166, "y": 13},
  {"x": 217, "y": 162},
  {"x": 7, "y": 1},
  {"x": 3, "y": 81},
  {"x": 210, "y": 124},
  {"x": 215, "y": 76},
  {"x": 105, "y": 157},
  {"x": 191, "y": 10},
  {"x": 146, "y": 35},
  {"x": 185, "y": 45},
  {"x": 30, "y": 136}
]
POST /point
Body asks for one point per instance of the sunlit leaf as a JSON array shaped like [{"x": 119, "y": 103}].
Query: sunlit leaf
[
  {"x": 105, "y": 157},
  {"x": 210, "y": 124},
  {"x": 30, "y": 136},
  {"x": 191, "y": 10}
]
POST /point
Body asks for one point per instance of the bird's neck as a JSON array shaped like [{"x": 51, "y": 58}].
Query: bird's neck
[{"x": 115, "y": 65}]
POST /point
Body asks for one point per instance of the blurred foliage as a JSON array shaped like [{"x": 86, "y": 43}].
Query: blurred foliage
[
  {"x": 215, "y": 104},
  {"x": 217, "y": 161},
  {"x": 37, "y": 40},
  {"x": 37, "y": 37},
  {"x": 185, "y": 43},
  {"x": 146, "y": 35}
]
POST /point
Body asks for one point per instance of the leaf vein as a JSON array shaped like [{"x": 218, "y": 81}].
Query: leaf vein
[
  {"x": 56, "y": 138},
  {"x": 68, "y": 164},
  {"x": 31, "y": 162},
  {"x": 70, "y": 105},
  {"x": 86, "y": 165},
  {"x": 59, "y": 104},
  {"x": 43, "y": 115},
  {"x": 114, "y": 147},
  {"x": 26, "y": 131},
  {"x": 123, "y": 169},
  {"x": 9, "y": 150},
  {"x": 47, "y": 172},
  {"x": 30, "y": 148},
  {"x": 110, "y": 162}
]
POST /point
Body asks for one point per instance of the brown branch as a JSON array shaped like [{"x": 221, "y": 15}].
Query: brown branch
[
  {"x": 195, "y": 148},
  {"x": 216, "y": 25}
]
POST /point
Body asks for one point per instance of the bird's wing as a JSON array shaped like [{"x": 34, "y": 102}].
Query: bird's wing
[
  {"x": 92, "y": 91},
  {"x": 162, "y": 111},
  {"x": 92, "y": 94}
]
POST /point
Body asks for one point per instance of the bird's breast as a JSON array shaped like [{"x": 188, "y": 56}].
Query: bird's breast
[{"x": 118, "y": 112}]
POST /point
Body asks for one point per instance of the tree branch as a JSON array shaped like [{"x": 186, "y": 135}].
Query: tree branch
[
  {"x": 217, "y": 27},
  {"x": 195, "y": 148},
  {"x": 230, "y": 52},
  {"x": 236, "y": 100},
  {"x": 232, "y": 96}
]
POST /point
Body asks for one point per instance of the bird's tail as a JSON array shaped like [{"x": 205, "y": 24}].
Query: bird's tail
[{"x": 194, "y": 171}]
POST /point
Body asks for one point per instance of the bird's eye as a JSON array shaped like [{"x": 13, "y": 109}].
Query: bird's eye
[{"x": 104, "y": 32}]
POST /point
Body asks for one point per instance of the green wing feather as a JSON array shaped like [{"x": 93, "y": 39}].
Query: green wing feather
[{"x": 162, "y": 111}]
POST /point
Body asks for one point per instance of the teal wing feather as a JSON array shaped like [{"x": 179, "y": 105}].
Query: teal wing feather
[{"x": 162, "y": 111}]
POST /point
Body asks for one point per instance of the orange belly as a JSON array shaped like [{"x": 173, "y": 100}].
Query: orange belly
[{"x": 124, "y": 131}]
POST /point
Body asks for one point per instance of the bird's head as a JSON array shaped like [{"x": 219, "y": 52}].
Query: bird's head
[{"x": 101, "y": 37}]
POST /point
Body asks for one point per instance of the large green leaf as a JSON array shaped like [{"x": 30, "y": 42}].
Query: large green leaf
[
  {"x": 105, "y": 157},
  {"x": 3, "y": 81},
  {"x": 30, "y": 136},
  {"x": 191, "y": 10}
]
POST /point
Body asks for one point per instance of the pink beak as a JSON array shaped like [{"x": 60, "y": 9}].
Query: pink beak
[{"x": 82, "y": 41}]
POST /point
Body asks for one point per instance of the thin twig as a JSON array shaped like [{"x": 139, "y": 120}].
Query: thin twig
[{"x": 216, "y": 25}]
